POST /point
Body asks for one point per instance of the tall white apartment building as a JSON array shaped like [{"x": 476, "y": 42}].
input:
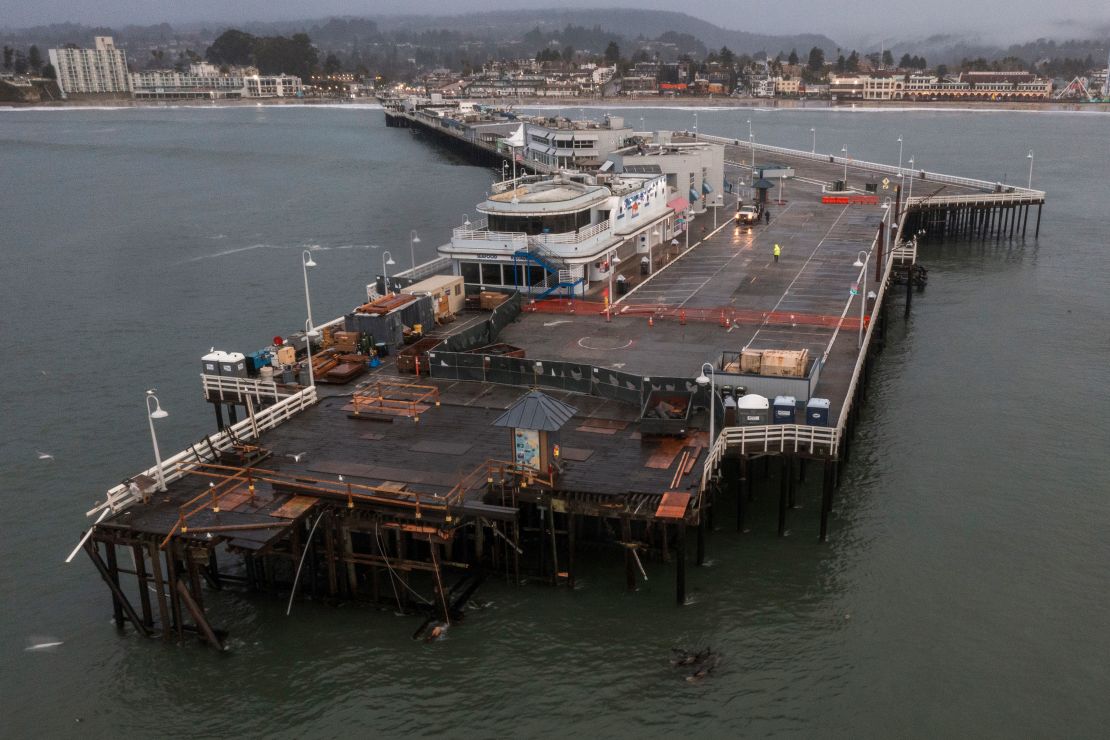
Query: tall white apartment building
[{"x": 102, "y": 69}]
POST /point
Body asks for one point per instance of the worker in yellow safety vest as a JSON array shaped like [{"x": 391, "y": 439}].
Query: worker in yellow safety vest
[{"x": 778, "y": 251}]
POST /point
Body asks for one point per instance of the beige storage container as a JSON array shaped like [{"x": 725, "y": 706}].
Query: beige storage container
[
  {"x": 750, "y": 360},
  {"x": 784, "y": 363}
]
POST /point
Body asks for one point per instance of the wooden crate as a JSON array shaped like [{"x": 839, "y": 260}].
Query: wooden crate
[
  {"x": 750, "y": 360},
  {"x": 489, "y": 300},
  {"x": 784, "y": 363}
]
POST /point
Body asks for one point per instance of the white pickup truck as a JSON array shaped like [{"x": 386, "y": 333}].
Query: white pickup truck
[{"x": 747, "y": 215}]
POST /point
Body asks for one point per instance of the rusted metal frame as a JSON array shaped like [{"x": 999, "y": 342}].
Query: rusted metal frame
[
  {"x": 175, "y": 598},
  {"x": 306, "y": 483},
  {"x": 119, "y": 598},
  {"x": 163, "y": 608}
]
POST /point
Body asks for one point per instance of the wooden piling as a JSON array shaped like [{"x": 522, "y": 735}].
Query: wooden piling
[
  {"x": 680, "y": 564},
  {"x": 113, "y": 574},
  {"x": 828, "y": 481},
  {"x": 783, "y": 494},
  {"x": 119, "y": 599},
  {"x": 144, "y": 589}
]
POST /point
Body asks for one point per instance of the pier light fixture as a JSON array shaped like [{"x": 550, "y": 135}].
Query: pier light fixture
[
  {"x": 387, "y": 261},
  {"x": 156, "y": 413},
  {"x": 695, "y": 125},
  {"x": 307, "y": 262},
  {"x": 1029, "y": 156},
  {"x": 844, "y": 151},
  {"x": 813, "y": 133},
  {"x": 899, "y": 153},
  {"x": 910, "y": 194},
  {"x": 861, "y": 261},
  {"x": 466, "y": 221},
  {"x": 413, "y": 240},
  {"x": 751, "y": 145},
  {"x": 711, "y": 381}
]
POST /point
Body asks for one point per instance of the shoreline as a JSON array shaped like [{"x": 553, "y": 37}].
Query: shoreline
[{"x": 707, "y": 103}]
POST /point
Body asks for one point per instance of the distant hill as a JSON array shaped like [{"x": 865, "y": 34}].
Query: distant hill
[{"x": 627, "y": 23}]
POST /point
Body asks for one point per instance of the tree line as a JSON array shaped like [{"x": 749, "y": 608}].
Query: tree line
[
  {"x": 294, "y": 55},
  {"x": 31, "y": 61}
]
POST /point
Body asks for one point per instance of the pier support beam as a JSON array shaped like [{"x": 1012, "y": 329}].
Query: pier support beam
[
  {"x": 120, "y": 603},
  {"x": 680, "y": 565},
  {"x": 826, "y": 497}
]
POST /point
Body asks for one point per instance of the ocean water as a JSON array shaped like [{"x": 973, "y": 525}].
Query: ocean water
[{"x": 964, "y": 589}]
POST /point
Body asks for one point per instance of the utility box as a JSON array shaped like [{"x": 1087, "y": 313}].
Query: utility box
[
  {"x": 783, "y": 409},
  {"x": 817, "y": 412},
  {"x": 753, "y": 410},
  {"x": 210, "y": 363},
  {"x": 446, "y": 291},
  {"x": 233, "y": 365}
]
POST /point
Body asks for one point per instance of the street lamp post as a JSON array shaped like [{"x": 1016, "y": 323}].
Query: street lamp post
[
  {"x": 899, "y": 153},
  {"x": 751, "y": 145},
  {"x": 861, "y": 261},
  {"x": 310, "y": 333},
  {"x": 702, "y": 381},
  {"x": 307, "y": 262},
  {"x": 689, "y": 220},
  {"x": 844, "y": 151},
  {"x": 413, "y": 240},
  {"x": 1029, "y": 156},
  {"x": 910, "y": 194},
  {"x": 387, "y": 260},
  {"x": 614, "y": 260},
  {"x": 813, "y": 149},
  {"x": 466, "y": 221},
  {"x": 695, "y": 125},
  {"x": 156, "y": 413}
]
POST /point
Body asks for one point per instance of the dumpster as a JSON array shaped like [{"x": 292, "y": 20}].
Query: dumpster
[{"x": 666, "y": 413}]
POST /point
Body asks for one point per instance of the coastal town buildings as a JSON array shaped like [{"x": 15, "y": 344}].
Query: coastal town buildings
[
  {"x": 102, "y": 69},
  {"x": 206, "y": 81}
]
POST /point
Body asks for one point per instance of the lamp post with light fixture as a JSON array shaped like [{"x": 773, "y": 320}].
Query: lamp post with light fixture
[
  {"x": 861, "y": 261},
  {"x": 711, "y": 381},
  {"x": 413, "y": 240},
  {"x": 156, "y": 413},
  {"x": 387, "y": 260}
]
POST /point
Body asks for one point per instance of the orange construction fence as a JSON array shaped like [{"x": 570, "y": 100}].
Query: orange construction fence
[{"x": 725, "y": 315}]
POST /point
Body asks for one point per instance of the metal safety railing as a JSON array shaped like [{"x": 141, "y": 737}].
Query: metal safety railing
[
  {"x": 872, "y": 166},
  {"x": 176, "y": 466},
  {"x": 259, "y": 390}
]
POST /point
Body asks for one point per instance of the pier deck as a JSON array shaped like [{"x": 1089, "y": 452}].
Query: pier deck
[{"x": 423, "y": 486}]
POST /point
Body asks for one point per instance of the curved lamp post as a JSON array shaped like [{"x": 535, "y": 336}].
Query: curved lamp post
[
  {"x": 861, "y": 261},
  {"x": 387, "y": 260},
  {"x": 711, "y": 381},
  {"x": 156, "y": 413},
  {"x": 413, "y": 240}
]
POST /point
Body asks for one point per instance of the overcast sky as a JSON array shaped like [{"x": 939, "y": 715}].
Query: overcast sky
[{"x": 843, "y": 20}]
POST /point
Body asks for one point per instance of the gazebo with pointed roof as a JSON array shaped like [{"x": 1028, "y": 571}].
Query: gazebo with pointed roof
[{"x": 535, "y": 420}]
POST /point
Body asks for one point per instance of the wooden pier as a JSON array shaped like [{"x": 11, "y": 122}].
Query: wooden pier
[{"x": 403, "y": 491}]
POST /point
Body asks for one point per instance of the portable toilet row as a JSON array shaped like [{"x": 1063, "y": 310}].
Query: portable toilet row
[
  {"x": 227, "y": 364},
  {"x": 755, "y": 410}
]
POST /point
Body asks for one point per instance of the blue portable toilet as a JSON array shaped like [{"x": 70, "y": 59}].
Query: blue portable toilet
[
  {"x": 817, "y": 412},
  {"x": 784, "y": 410}
]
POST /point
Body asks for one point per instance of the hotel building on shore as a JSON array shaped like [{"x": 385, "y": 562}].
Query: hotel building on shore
[
  {"x": 102, "y": 69},
  {"x": 205, "y": 81}
]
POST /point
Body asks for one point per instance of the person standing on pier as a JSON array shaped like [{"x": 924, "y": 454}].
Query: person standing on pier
[
  {"x": 766, "y": 215},
  {"x": 777, "y": 252}
]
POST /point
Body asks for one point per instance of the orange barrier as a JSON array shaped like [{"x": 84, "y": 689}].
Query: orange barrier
[{"x": 851, "y": 200}]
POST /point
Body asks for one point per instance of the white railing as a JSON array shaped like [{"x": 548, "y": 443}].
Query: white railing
[
  {"x": 572, "y": 274},
  {"x": 176, "y": 466},
  {"x": 259, "y": 390},
  {"x": 574, "y": 237},
  {"x": 518, "y": 240},
  {"x": 772, "y": 438},
  {"x": 435, "y": 266},
  {"x": 873, "y": 166}
]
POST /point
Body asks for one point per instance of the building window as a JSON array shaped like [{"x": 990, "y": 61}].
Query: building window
[
  {"x": 470, "y": 272},
  {"x": 491, "y": 274}
]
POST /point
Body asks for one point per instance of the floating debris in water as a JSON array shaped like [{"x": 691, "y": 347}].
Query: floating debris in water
[{"x": 700, "y": 664}]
